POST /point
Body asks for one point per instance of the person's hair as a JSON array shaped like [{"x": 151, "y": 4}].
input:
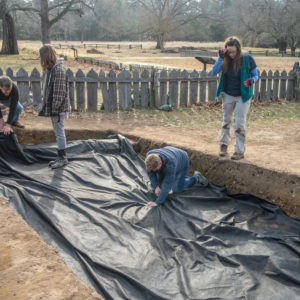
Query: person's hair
[
  {"x": 237, "y": 62},
  {"x": 48, "y": 57},
  {"x": 5, "y": 82},
  {"x": 152, "y": 161}
]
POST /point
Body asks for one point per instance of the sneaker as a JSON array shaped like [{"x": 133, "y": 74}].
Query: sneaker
[
  {"x": 60, "y": 162},
  {"x": 52, "y": 162},
  {"x": 18, "y": 124},
  {"x": 201, "y": 179},
  {"x": 237, "y": 156},
  {"x": 223, "y": 150}
]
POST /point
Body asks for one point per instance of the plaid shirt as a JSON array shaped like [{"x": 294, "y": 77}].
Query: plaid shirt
[{"x": 57, "y": 95}]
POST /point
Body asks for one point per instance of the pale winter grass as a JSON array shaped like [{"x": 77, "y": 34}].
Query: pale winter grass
[{"x": 29, "y": 56}]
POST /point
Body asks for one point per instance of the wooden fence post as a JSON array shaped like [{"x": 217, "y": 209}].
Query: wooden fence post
[
  {"x": 212, "y": 88},
  {"x": 163, "y": 87},
  {"x": 276, "y": 85},
  {"x": 184, "y": 88},
  {"x": 9, "y": 73},
  {"x": 35, "y": 79},
  {"x": 71, "y": 87},
  {"x": 263, "y": 84},
  {"x": 173, "y": 88},
  {"x": 92, "y": 91},
  {"x": 124, "y": 90},
  {"x": 282, "y": 92},
  {"x": 157, "y": 100},
  {"x": 194, "y": 87},
  {"x": 269, "y": 95},
  {"x": 203, "y": 86},
  {"x": 80, "y": 90},
  {"x": 144, "y": 89},
  {"x": 290, "y": 86},
  {"x": 136, "y": 88},
  {"x": 112, "y": 90},
  {"x": 104, "y": 90},
  {"x": 152, "y": 92},
  {"x": 23, "y": 87}
]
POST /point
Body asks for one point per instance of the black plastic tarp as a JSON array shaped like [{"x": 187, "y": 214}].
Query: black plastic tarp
[{"x": 200, "y": 244}]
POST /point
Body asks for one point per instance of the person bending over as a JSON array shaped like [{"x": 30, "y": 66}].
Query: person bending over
[
  {"x": 9, "y": 97},
  {"x": 167, "y": 169}
]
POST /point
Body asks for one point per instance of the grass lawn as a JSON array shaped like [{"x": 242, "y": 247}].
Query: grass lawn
[{"x": 29, "y": 57}]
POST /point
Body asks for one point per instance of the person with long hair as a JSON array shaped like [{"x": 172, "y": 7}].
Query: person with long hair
[
  {"x": 238, "y": 74},
  {"x": 56, "y": 101}
]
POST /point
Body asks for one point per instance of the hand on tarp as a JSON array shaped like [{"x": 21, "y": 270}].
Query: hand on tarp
[
  {"x": 7, "y": 129},
  {"x": 151, "y": 204}
]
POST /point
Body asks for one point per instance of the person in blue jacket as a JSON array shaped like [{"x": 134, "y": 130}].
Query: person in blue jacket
[
  {"x": 167, "y": 169},
  {"x": 238, "y": 74}
]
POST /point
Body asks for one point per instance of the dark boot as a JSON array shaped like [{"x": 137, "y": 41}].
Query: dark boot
[
  {"x": 223, "y": 150},
  {"x": 60, "y": 161}
]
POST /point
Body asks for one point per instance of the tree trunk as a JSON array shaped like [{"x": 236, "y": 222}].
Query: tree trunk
[
  {"x": 45, "y": 22},
  {"x": 9, "y": 44},
  {"x": 160, "y": 41},
  {"x": 282, "y": 45}
]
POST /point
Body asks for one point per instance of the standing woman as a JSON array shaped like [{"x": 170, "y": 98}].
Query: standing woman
[
  {"x": 56, "y": 101},
  {"x": 239, "y": 73}
]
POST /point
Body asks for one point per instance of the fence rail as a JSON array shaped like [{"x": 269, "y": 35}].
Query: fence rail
[
  {"x": 126, "y": 89},
  {"x": 96, "y": 45}
]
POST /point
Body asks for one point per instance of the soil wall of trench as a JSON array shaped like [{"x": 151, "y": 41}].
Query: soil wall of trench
[{"x": 282, "y": 189}]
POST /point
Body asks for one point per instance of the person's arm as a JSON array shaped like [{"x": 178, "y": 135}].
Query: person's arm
[
  {"x": 253, "y": 73},
  {"x": 14, "y": 98},
  {"x": 167, "y": 183},
  {"x": 59, "y": 89},
  {"x": 153, "y": 179},
  {"x": 1, "y": 121},
  {"x": 217, "y": 67}
]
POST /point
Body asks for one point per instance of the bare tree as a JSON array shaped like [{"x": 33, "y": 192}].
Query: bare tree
[
  {"x": 278, "y": 19},
  {"x": 9, "y": 43},
  {"x": 50, "y": 12},
  {"x": 162, "y": 17}
]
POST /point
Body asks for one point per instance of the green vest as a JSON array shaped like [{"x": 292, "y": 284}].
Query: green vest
[{"x": 246, "y": 92}]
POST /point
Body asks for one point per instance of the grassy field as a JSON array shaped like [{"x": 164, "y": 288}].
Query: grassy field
[
  {"x": 210, "y": 116},
  {"x": 29, "y": 57}
]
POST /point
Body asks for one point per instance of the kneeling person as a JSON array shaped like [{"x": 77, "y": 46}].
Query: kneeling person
[
  {"x": 167, "y": 169},
  {"x": 9, "y": 97}
]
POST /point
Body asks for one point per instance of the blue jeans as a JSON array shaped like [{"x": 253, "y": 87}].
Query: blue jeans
[
  {"x": 182, "y": 182},
  {"x": 58, "y": 123},
  {"x": 19, "y": 109}
]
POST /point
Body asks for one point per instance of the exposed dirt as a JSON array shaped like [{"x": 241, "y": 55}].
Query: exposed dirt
[{"x": 29, "y": 269}]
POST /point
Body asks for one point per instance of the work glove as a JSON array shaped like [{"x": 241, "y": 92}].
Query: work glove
[
  {"x": 249, "y": 82},
  {"x": 222, "y": 52}
]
